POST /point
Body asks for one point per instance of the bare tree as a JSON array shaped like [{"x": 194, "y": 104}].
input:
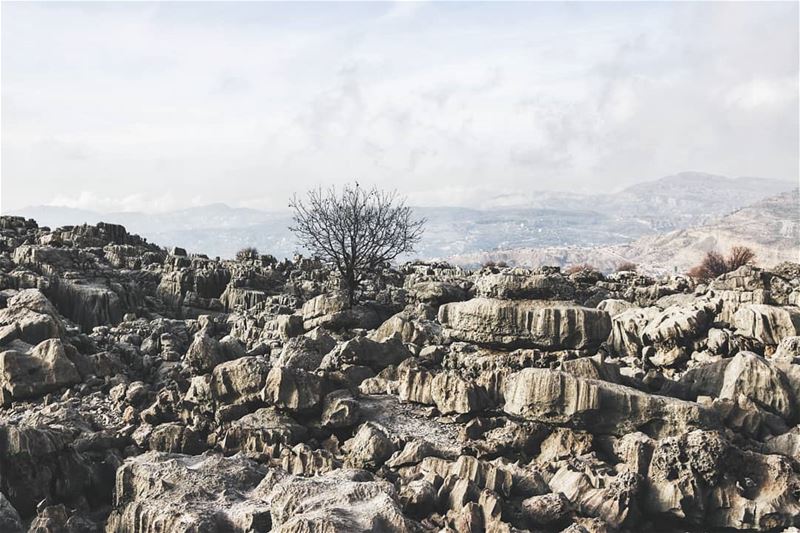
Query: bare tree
[{"x": 358, "y": 230}]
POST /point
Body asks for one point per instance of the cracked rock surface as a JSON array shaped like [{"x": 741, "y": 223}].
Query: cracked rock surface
[{"x": 150, "y": 391}]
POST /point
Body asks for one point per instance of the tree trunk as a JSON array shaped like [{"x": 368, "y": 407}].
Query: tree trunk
[{"x": 350, "y": 281}]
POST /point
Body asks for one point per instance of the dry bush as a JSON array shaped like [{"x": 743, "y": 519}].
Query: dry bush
[
  {"x": 627, "y": 266},
  {"x": 714, "y": 264},
  {"x": 739, "y": 256},
  {"x": 244, "y": 254},
  {"x": 574, "y": 269},
  {"x": 491, "y": 263}
]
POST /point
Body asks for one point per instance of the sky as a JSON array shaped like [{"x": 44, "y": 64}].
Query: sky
[{"x": 159, "y": 106}]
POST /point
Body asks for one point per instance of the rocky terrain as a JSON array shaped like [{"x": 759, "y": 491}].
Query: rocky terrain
[{"x": 149, "y": 391}]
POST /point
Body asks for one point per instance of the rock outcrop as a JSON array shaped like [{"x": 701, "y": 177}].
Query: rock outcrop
[{"x": 146, "y": 391}]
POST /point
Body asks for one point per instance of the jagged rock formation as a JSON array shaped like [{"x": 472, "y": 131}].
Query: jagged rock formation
[{"x": 147, "y": 391}]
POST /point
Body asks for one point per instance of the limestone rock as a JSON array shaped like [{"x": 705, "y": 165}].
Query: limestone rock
[
  {"x": 767, "y": 323},
  {"x": 45, "y": 369},
  {"x": 370, "y": 447},
  {"x": 343, "y": 500},
  {"x": 171, "y": 492},
  {"x": 561, "y": 398},
  {"x": 340, "y": 410},
  {"x": 292, "y": 389},
  {"x": 525, "y": 323}
]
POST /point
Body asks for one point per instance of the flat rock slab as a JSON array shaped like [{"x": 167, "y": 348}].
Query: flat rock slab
[
  {"x": 409, "y": 421},
  {"x": 525, "y": 324}
]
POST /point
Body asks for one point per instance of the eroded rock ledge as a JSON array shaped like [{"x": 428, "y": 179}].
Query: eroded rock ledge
[{"x": 148, "y": 391}]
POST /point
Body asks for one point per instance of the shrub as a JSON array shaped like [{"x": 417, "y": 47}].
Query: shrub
[
  {"x": 494, "y": 264},
  {"x": 584, "y": 267},
  {"x": 627, "y": 266},
  {"x": 714, "y": 264},
  {"x": 247, "y": 253},
  {"x": 739, "y": 256}
]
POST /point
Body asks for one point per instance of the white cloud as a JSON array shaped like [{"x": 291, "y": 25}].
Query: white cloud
[{"x": 156, "y": 105}]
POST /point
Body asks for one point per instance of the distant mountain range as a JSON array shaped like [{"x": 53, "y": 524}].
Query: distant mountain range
[
  {"x": 770, "y": 227},
  {"x": 545, "y": 220}
]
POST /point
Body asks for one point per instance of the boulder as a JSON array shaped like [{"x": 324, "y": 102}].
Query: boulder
[
  {"x": 755, "y": 378},
  {"x": 525, "y": 323},
  {"x": 204, "y": 353},
  {"x": 342, "y": 500},
  {"x": 768, "y": 323},
  {"x": 292, "y": 389},
  {"x": 46, "y": 368},
  {"x": 157, "y": 491},
  {"x": 340, "y": 410},
  {"x": 560, "y": 398},
  {"x": 30, "y": 317}
]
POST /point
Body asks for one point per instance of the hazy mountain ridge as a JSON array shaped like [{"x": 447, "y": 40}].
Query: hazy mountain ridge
[
  {"x": 771, "y": 227},
  {"x": 544, "y": 220}
]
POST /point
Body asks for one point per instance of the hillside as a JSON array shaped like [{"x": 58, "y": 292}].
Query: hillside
[
  {"x": 541, "y": 220},
  {"x": 771, "y": 227}
]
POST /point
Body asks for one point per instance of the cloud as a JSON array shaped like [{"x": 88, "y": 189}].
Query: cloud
[{"x": 147, "y": 105}]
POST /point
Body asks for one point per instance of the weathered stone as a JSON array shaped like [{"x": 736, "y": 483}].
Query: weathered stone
[
  {"x": 292, "y": 389},
  {"x": 560, "y": 398},
  {"x": 525, "y": 323},
  {"x": 343, "y": 500},
  {"x": 340, "y": 410},
  {"x": 45, "y": 369},
  {"x": 767, "y": 323},
  {"x": 370, "y": 447},
  {"x": 169, "y": 492}
]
